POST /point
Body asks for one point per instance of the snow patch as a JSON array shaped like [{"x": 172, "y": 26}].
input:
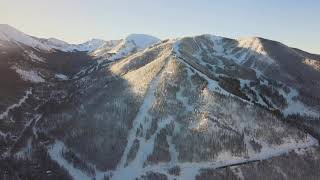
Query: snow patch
[
  {"x": 29, "y": 75},
  {"x": 253, "y": 47},
  {"x": 189, "y": 170},
  {"x": 55, "y": 152},
  {"x": 34, "y": 57},
  {"x": 142, "y": 41},
  {"x": 135, "y": 168},
  {"x": 315, "y": 64},
  {"x": 61, "y": 77},
  {"x": 131, "y": 44},
  {"x": 2, "y": 133},
  {"x": 295, "y": 106},
  {"x": 91, "y": 45},
  {"x": 218, "y": 44}
]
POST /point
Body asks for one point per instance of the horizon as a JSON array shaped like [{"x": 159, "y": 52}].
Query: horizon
[{"x": 291, "y": 25}]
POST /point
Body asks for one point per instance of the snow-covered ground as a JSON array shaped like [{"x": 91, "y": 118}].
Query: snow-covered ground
[
  {"x": 55, "y": 152},
  {"x": 312, "y": 63},
  {"x": 137, "y": 166},
  {"x": 30, "y": 75},
  {"x": 2, "y": 133},
  {"x": 190, "y": 170},
  {"x": 9, "y": 33},
  {"x": 34, "y": 57},
  {"x": 214, "y": 85},
  {"x": 253, "y": 47},
  {"x": 142, "y": 41},
  {"x": 146, "y": 146},
  {"x": 90, "y": 45},
  {"x": 61, "y": 76},
  {"x": 132, "y": 43},
  {"x": 295, "y": 106}
]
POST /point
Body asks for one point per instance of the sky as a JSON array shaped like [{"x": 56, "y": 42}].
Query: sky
[{"x": 293, "y": 22}]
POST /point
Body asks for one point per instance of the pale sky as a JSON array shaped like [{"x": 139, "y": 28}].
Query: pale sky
[{"x": 293, "y": 22}]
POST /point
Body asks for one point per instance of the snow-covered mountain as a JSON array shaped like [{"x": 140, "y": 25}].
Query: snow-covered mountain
[
  {"x": 201, "y": 107},
  {"x": 91, "y": 45},
  {"x": 57, "y": 44},
  {"x": 8, "y": 33},
  {"x": 131, "y": 44}
]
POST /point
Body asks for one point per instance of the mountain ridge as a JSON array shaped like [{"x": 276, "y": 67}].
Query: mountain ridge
[
  {"x": 195, "y": 107},
  {"x": 7, "y": 26}
]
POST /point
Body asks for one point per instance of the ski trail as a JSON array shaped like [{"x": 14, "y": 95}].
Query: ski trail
[
  {"x": 3, "y": 134},
  {"x": 213, "y": 85},
  {"x": 146, "y": 146},
  {"x": 21, "y": 101},
  {"x": 55, "y": 153},
  {"x": 28, "y": 125},
  {"x": 189, "y": 170},
  {"x": 173, "y": 151}
]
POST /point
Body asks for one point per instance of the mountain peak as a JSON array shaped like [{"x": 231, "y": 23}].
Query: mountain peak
[
  {"x": 5, "y": 26},
  {"x": 56, "y": 41},
  {"x": 9, "y": 33},
  {"x": 139, "y": 35},
  {"x": 131, "y": 44},
  {"x": 252, "y": 39},
  {"x": 142, "y": 40},
  {"x": 91, "y": 45},
  {"x": 253, "y": 43}
]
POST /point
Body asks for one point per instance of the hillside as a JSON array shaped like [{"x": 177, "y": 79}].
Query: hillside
[{"x": 202, "y": 107}]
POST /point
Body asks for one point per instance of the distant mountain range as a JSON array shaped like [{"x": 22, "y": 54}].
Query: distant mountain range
[{"x": 201, "y": 107}]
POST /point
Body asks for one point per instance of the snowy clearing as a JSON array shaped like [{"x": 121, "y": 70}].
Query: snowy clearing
[
  {"x": 29, "y": 75},
  {"x": 190, "y": 170},
  {"x": 61, "y": 76}
]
